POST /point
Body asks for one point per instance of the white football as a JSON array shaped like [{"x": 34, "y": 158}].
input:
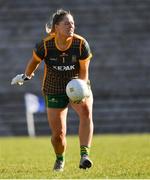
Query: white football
[{"x": 77, "y": 90}]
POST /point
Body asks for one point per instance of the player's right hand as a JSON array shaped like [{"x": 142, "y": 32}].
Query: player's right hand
[
  {"x": 18, "y": 80},
  {"x": 21, "y": 78}
]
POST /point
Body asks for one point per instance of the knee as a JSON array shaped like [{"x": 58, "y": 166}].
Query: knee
[
  {"x": 86, "y": 113},
  {"x": 58, "y": 137},
  {"x": 86, "y": 117}
]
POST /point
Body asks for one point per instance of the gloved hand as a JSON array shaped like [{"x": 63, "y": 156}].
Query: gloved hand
[{"x": 19, "y": 79}]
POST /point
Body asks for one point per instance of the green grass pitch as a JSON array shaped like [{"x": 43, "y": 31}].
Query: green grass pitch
[{"x": 114, "y": 156}]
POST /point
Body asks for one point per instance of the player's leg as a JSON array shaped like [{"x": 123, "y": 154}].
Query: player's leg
[
  {"x": 57, "y": 122},
  {"x": 57, "y": 113},
  {"x": 84, "y": 110}
]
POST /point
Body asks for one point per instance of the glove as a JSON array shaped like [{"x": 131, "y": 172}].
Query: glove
[{"x": 19, "y": 79}]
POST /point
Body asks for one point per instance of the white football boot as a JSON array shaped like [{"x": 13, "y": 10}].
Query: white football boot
[
  {"x": 85, "y": 162},
  {"x": 59, "y": 165}
]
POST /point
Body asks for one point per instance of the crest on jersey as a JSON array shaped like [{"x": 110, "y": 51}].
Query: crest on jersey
[{"x": 74, "y": 58}]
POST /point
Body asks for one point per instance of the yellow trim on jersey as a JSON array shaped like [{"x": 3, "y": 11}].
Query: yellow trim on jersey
[
  {"x": 45, "y": 49},
  {"x": 44, "y": 77},
  {"x": 36, "y": 57},
  {"x": 49, "y": 37},
  {"x": 81, "y": 41},
  {"x": 88, "y": 58},
  {"x": 68, "y": 46},
  {"x": 78, "y": 36},
  {"x": 81, "y": 46}
]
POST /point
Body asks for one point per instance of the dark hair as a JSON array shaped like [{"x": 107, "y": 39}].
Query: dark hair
[{"x": 56, "y": 18}]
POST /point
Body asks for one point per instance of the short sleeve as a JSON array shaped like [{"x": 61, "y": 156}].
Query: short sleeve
[
  {"x": 39, "y": 50},
  {"x": 85, "y": 51}
]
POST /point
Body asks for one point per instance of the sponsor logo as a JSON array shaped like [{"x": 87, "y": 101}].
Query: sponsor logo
[
  {"x": 64, "y": 68},
  {"x": 53, "y": 100},
  {"x": 74, "y": 58},
  {"x": 53, "y": 59},
  {"x": 71, "y": 89}
]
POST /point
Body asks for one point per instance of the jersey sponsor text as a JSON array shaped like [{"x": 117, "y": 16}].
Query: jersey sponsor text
[{"x": 64, "y": 68}]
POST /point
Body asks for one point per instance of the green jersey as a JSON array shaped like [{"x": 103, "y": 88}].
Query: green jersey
[{"x": 60, "y": 66}]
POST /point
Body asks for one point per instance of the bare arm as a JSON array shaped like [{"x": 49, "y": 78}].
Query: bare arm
[
  {"x": 29, "y": 71},
  {"x": 84, "y": 69},
  {"x": 31, "y": 66}
]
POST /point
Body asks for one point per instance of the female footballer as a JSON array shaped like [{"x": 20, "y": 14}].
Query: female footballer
[{"x": 66, "y": 56}]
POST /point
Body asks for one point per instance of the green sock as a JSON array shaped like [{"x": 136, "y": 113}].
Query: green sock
[
  {"x": 84, "y": 150},
  {"x": 60, "y": 157}
]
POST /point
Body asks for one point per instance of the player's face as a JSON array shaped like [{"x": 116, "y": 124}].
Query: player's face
[{"x": 66, "y": 26}]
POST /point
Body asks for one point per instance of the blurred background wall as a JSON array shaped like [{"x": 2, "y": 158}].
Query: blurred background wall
[{"x": 118, "y": 32}]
